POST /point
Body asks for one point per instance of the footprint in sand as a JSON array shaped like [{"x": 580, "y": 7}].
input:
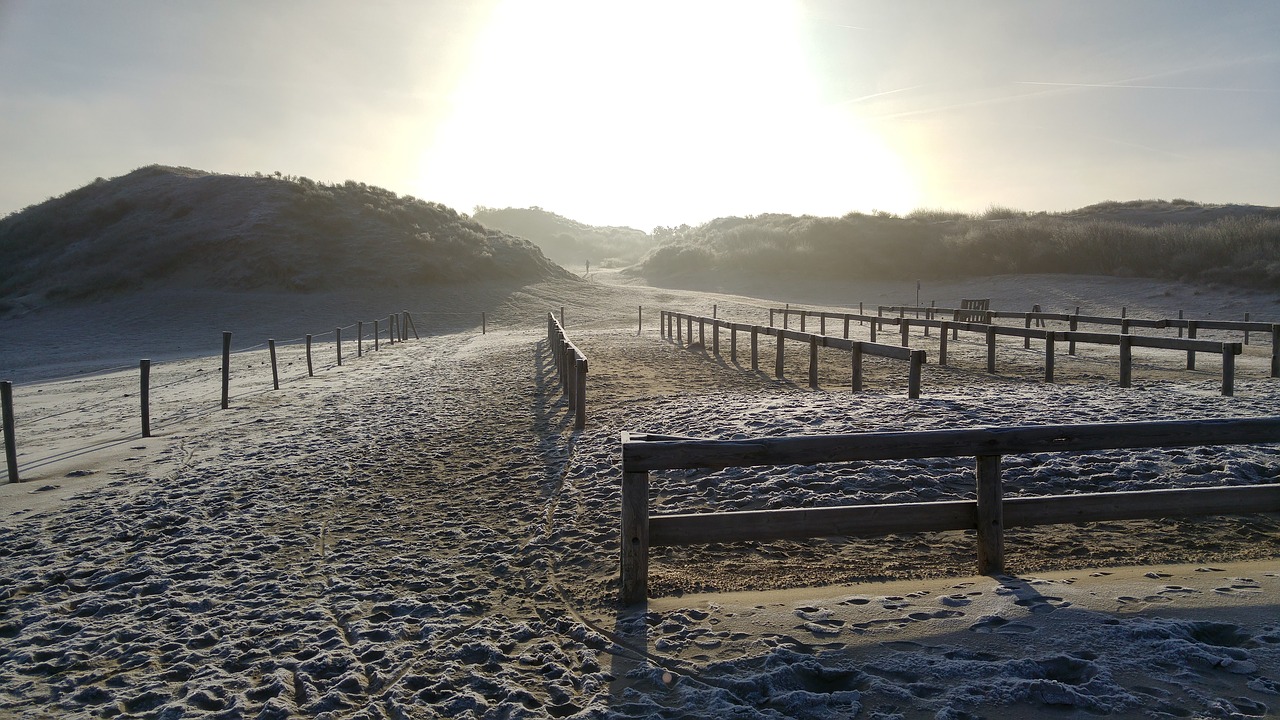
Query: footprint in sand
[
  {"x": 997, "y": 624},
  {"x": 1209, "y": 569},
  {"x": 1240, "y": 585}
]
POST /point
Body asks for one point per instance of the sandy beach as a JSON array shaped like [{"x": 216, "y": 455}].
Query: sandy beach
[{"x": 421, "y": 533}]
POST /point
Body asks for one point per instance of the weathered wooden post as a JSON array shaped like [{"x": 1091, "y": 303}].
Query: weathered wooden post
[
  {"x": 755, "y": 347},
  {"x": 770, "y": 317},
  {"x": 715, "y": 311},
  {"x": 635, "y": 536},
  {"x": 873, "y": 330},
  {"x": 337, "y": 343},
  {"x": 1026, "y": 339},
  {"x": 561, "y": 316},
  {"x": 376, "y": 333},
  {"x": 846, "y": 326},
  {"x": 942, "y": 343},
  {"x": 1126, "y": 360},
  {"x": 1275, "y": 351},
  {"x": 679, "y": 330},
  {"x": 813, "y": 362},
  {"x": 822, "y": 323},
  {"x": 640, "y": 320},
  {"x": 144, "y": 395},
  {"x": 1048, "y": 357},
  {"x": 391, "y": 329},
  {"x": 1228, "y": 369},
  {"x": 715, "y": 337},
  {"x": 777, "y": 361},
  {"x": 786, "y": 316},
  {"x": 484, "y": 323},
  {"x": 359, "y": 339},
  {"x": 906, "y": 331},
  {"x": 991, "y": 349},
  {"x": 275, "y": 373},
  {"x": 913, "y": 375},
  {"x": 733, "y": 343},
  {"x": 1075, "y": 325},
  {"x": 990, "y": 512},
  {"x": 226, "y": 369},
  {"x": 702, "y": 336},
  {"x": 803, "y": 315},
  {"x": 855, "y": 358},
  {"x": 580, "y": 393},
  {"x": 310, "y": 371},
  {"x": 860, "y": 313},
  {"x": 1124, "y": 326},
  {"x": 409, "y": 321},
  {"x": 1246, "y": 330},
  {"x": 1179, "y": 324},
  {"x": 10, "y": 441},
  {"x": 1191, "y": 335}
]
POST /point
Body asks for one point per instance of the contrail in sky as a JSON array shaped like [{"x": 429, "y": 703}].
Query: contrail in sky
[{"x": 1147, "y": 87}]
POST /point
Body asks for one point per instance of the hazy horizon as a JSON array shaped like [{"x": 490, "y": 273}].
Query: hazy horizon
[{"x": 657, "y": 114}]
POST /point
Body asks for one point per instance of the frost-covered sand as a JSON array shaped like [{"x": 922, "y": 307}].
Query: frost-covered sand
[{"x": 420, "y": 533}]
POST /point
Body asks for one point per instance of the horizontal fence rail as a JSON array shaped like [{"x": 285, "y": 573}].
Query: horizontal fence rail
[
  {"x": 673, "y": 326},
  {"x": 571, "y": 369},
  {"x": 988, "y": 514},
  {"x": 1124, "y": 341}
]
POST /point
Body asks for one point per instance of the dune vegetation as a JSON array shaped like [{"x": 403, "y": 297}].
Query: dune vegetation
[
  {"x": 1177, "y": 240},
  {"x": 569, "y": 242},
  {"x": 163, "y": 225}
]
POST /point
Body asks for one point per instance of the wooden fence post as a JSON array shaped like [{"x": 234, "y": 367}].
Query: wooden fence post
[
  {"x": 813, "y": 362},
  {"x": 702, "y": 335},
  {"x": 715, "y": 311},
  {"x": 144, "y": 395},
  {"x": 484, "y": 323},
  {"x": 913, "y": 375},
  {"x": 990, "y": 497},
  {"x": 1275, "y": 351},
  {"x": 1228, "y": 370},
  {"x": 10, "y": 442},
  {"x": 770, "y": 317},
  {"x": 1026, "y": 341},
  {"x": 822, "y": 323},
  {"x": 1191, "y": 335},
  {"x": 640, "y": 320},
  {"x": 1075, "y": 325},
  {"x": 1048, "y": 357},
  {"x": 359, "y": 339},
  {"x": 561, "y": 316},
  {"x": 991, "y": 349},
  {"x": 679, "y": 331},
  {"x": 337, "y": 342},
  {"x": 786, "y": 316},
  {"x": 715, "y": 338},
  {"x": 688, "y": 330},
  {"x": 873, "y": 324},
  {"x": 846, "y": 327},
  {"x": 855, "y": 359},
  {"x": 860, "y": 320},
  {"x": 1246, "y": 332},
  {"x": 1179, "y": 325},
  {"x": 755, "y": 354},
  {"x": 580, "y": 393},
  {"x": 1126, "y": 360},
  {"x": 391, "y": 329},
  {"x": 803, "y": 315},
  {"x": 310, "y": 370},
  {"x": 409, "y": 320},
  {"x": 275, "y": 373},
  {"x": 376, "y": 333},
  {"x": 733, "y": 343},
  {"x": 906, "y": 331},
  {"x": 635, "y": 537},
  {"x": 942, "y": 343},
  {"x": 226, "y": 368},
  {"x": 777, "y": 361}
]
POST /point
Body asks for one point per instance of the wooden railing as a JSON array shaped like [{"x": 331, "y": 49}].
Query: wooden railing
[
  {"x": 571, "y": 369},
  {"x": 989, "y": 513},
  {"x": 1124, "y": 341},
  {"x": 673, "y": 326}
]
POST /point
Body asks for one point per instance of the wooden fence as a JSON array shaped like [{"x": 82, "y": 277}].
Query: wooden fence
[
  {"x": 673, "y": 324},
  {"x": 399, "y": 325},
  {"x": 571, "y": 368},
  {"x": 1126, "y": 342},
  {"x": 1074, "y": 320},
  {"x": 989, "y": 513}
]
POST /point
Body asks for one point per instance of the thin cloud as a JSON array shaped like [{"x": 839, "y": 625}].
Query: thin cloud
[{"x": 1146, "y": 87}]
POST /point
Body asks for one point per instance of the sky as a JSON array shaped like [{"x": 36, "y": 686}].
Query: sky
[{"x": 657, "y": 112}]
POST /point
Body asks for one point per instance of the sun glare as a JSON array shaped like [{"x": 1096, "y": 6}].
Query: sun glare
[{"x": 655, "y": 113}]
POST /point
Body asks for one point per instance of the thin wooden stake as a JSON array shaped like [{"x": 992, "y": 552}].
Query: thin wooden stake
[
  {"x": 376, "y": 332},
  {"x": 990, "y": 501},
  {"x": 310, "y": 370},
  {"x": 144, "y": 395},
  {"x": 359, "y": 339},
  {"x": 813, "y": 362},
  {"x": 275, "y": 374},
  {"x": 10, "y": 443},
  {"x": 337, "y": 343},
  {"x": 226, "y": 369}
]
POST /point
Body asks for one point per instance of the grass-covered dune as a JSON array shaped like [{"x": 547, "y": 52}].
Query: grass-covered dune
[
  {"x": 179, "y": 227},
  {"x": 1177, "y": 240},
  {"x": 569, "y": 242}
]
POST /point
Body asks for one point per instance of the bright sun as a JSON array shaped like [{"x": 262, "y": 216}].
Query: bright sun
[{"x": 654, "y": 113}]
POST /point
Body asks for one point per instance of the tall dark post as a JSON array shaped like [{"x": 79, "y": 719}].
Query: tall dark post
[
  {"x": 226, "y": 369},
  {"x": 10, "y": 443},
  {"x": 144, "y": 395},
  {"x": 310, "y": 371},
  {"x": 275, "y": 373},
  {"x": 337, "y": 341}
]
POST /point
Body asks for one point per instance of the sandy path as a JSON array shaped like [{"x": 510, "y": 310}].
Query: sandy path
[{"x": 420, "y": 534}]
